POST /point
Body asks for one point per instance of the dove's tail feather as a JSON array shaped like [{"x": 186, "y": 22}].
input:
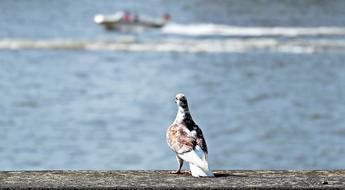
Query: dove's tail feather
[
  {"x": 199, "y": 172},
  {"x": 197, "y": 162}
]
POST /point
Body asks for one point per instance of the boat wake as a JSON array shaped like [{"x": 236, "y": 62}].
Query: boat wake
[
  {"x": 305, "y": 46},
  {"x": 226, "y": 30}
]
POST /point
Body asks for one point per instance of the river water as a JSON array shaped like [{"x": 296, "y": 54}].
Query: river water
[{"x": 265, "y": 82}]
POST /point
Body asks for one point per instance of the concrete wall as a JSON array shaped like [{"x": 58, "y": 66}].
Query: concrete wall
[{"x": 230, "y": 179}]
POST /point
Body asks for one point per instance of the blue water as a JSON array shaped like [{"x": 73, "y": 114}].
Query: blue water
[{"x": 261, "y": 108}]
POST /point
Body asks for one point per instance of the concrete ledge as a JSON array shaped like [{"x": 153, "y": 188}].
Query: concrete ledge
[{"x": 225, "y": 179}]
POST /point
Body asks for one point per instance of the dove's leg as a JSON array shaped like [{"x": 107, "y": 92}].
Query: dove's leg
[{"x": 180, "y": 163}]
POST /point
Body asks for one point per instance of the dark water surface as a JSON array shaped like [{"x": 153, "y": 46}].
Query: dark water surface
[{"x": 263, "y": 100}]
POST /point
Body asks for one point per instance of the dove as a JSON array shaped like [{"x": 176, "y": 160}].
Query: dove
[{"x": 185, "y": 138}]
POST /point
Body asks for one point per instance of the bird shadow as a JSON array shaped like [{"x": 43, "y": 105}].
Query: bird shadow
[
  {"x": 216, "y": 175},
  {"x": 228, "y": 175}
]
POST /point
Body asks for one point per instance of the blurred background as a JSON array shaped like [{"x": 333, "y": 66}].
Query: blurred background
[{"x": 265, "y": 81}]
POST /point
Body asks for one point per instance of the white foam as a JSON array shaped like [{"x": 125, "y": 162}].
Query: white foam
[
  {"x": 227, "y": 30},
  {"x": 187, "y": 45}
]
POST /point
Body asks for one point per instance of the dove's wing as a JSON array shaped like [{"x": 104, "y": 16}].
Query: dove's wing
[{"x": 200, "y": 140}]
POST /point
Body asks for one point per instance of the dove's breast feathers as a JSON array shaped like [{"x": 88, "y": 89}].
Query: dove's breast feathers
[{"x": 179, "y": 139}]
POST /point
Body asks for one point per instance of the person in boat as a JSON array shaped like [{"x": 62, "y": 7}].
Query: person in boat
[
  {"x": 166, "y": 17},
  {"x": 127, "y": 17}
]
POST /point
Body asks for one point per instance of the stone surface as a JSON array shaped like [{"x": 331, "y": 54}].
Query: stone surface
[{"x": 230, "y": 179}]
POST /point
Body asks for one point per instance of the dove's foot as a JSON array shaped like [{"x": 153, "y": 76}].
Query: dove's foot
[
  {"x": 176, "y": 172},
  {"x": 180, "y": 172}
]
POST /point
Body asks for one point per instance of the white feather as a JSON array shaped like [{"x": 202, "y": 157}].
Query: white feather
[
  {"x": 199, "y": 172},
  {"x": 197, "y": 162}
]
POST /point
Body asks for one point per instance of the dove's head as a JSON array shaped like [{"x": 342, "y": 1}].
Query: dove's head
[{"x": 181, "y": 101}]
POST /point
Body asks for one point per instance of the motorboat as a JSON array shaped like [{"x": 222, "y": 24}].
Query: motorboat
[{"x": 124, "y": 19}]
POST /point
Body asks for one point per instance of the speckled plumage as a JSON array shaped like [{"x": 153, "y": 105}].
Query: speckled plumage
[{"x": 184, "y": 136}]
